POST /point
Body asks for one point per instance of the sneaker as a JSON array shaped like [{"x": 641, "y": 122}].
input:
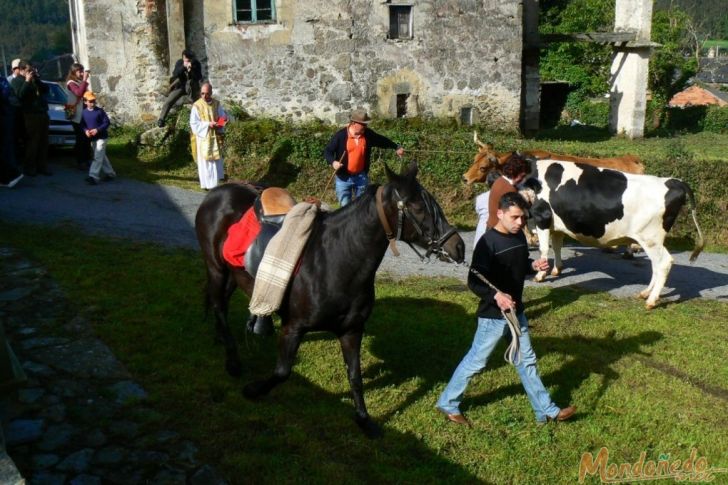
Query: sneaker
[
  {"x": 91, "y": 181},
  {"x": 108, "y": 178},
  {"x": 15, "y": 181}
]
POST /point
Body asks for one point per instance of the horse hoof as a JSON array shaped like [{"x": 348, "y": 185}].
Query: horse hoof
[
  {"x": 650, "y": 306},
  {"x": 370, "y": 428},
  {"x": 234, "y": 368}
]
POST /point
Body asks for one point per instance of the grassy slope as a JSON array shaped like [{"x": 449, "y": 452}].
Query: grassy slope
[{"x": 643, "y": 381}]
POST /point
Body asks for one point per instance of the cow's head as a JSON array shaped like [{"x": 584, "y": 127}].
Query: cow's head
[
  {"x": 529, "y": 189},
  {"x": 485, "y": 161}
]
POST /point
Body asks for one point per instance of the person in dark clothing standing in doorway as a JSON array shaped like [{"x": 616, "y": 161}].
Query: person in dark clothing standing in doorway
[
  {"x": 185, "y": 80},
  {"x": 30, "y": 91},
  {"x": 349, "y": 153},
  {"x": 501, "y": 257}
]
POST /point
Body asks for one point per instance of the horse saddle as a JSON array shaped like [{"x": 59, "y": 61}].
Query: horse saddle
[{"x": 270, "y": 208}]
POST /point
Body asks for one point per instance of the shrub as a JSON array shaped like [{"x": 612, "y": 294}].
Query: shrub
[
  {"x": 589, "y": 111},
  {"x": 686, "y": 119},
  {"x": 716, "y": 119},
  {"x": 706, "y": 179}
]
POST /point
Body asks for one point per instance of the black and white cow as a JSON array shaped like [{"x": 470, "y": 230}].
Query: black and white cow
[{"x": 603, "y": 207}]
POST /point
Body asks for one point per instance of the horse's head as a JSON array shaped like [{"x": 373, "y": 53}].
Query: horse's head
[{"x": 420, "y": 219}]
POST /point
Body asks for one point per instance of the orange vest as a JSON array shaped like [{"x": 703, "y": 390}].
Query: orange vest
[{"x": 356, "y": 151}]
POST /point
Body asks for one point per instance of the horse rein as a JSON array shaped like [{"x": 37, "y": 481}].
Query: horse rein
[
  {"x": 513, "y": 352},
  {"x": 434, "y": 243}
]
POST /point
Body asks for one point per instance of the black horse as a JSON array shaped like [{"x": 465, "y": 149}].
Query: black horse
[{"x": 333, "y": 288}]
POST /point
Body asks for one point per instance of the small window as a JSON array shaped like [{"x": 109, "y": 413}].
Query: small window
[
  {"x": 466, "y": 116},
  {"x": 402, "y": 105},
  {"x": 254, "y": 11},
  {"x": 400, "y": 21}
]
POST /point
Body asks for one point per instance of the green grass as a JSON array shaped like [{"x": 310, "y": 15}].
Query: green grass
[{"x": 643, "y": 381}]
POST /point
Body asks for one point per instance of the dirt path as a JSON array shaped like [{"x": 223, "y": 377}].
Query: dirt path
[{"x": 165, "y": 215}]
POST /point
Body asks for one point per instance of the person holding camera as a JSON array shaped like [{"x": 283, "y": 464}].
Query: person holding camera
[
  {"x": 30, "y": 90},
  {"x": 185, "y": 80},
  {"x": 77, "y": 84}
]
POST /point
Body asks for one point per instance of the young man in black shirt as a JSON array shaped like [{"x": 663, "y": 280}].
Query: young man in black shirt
[{"x": 501, "y": 257}]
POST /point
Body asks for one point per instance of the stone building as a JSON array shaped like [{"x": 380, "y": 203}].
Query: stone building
[{"x": 298, "y": 60}]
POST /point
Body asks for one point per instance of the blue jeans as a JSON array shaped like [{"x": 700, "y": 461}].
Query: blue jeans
[
  {"x": 489, "y": 332},
  {"x": 356, "y": 183}
]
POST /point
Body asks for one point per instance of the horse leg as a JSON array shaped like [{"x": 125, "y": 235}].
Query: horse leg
[
  {"x": 257, "y": 324},
  {"x": 230, "y": 287},
  {"x": 219, "y": 289},
  {"x": 351, "y": 350},
  {"x": 288, "y": 344}
]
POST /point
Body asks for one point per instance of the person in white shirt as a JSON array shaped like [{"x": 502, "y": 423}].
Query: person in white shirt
[{"x": 481, "y": 206}]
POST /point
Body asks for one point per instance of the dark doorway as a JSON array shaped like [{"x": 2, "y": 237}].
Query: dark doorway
[
  {"x": 402, "y": 105},
  {"x": 553, "y": 100}
]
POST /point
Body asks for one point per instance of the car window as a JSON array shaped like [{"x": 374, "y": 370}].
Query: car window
[{"x": 55, "y": 94}]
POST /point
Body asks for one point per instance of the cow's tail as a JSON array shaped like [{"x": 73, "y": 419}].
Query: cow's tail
[{"x": 693, "y": 207}]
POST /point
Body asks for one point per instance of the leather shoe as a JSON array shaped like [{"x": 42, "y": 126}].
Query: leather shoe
[
  {"x": 456, "y": 418},
  {"x": 564, "y": 414}
]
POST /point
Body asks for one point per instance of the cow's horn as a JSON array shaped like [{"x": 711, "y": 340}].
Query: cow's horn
[{"x": 478, "y": 142}]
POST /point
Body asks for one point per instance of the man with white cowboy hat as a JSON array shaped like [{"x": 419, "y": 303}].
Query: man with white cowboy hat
[{"x": 349, "y": 153}]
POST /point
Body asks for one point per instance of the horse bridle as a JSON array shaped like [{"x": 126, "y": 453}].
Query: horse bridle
[{"x": 434, "y": 243}]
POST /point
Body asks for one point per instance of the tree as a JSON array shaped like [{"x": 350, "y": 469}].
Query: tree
[
  {"x": 670, "y": 68},
  {"x": 584, "y": 65},
  {"x": 35, "y": 29}
]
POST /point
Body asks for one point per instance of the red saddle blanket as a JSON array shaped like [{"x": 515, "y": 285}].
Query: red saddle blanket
[{"x": 240, "y": 236}]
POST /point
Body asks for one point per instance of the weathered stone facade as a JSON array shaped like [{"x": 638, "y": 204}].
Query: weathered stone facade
[
  {"x": 123, "y": 42},
  {"x": 319, "y": 59}
]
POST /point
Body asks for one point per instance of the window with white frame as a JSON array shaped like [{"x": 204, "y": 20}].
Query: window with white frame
[
  {"x": 254, "y": 11},
  {"x": 400, "y": 21}
]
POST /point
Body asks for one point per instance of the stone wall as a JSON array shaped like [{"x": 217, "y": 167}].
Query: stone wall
[
  {"x": 321, "y": 58},
  {"x": 124, "y": 44}
]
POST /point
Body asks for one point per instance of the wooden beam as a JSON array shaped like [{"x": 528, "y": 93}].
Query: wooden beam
[{"x": 596, "y": 37}]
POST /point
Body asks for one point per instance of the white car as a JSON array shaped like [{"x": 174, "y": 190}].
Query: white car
[{"x": 60, "y": 130}]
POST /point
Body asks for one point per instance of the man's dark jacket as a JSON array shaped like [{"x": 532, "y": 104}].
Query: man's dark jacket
[
  {"x": 337, "y": 146},
  {"x": 181, "y": 75},
  {"x": 31, "y": 94}
]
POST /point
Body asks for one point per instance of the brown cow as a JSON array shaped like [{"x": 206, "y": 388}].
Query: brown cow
[{"x": 488, "y": 159}]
